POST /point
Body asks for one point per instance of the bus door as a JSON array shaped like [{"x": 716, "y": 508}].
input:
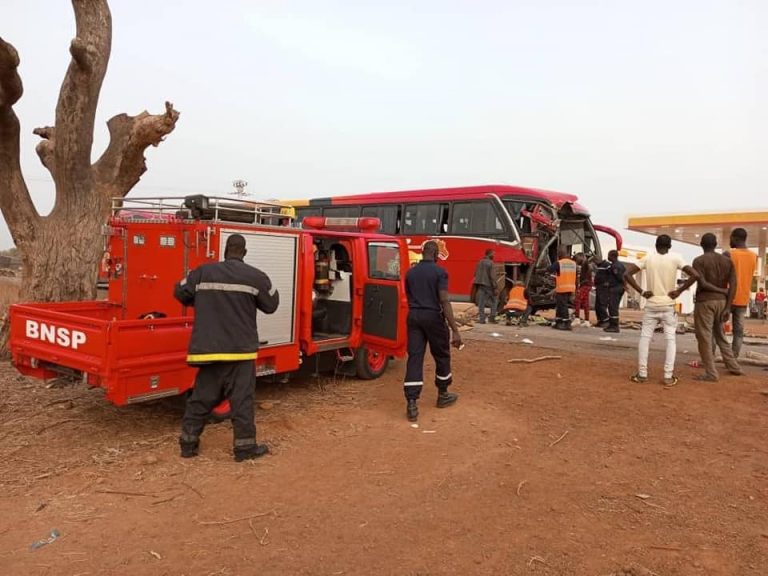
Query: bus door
[{"x": 384, "y": 302}]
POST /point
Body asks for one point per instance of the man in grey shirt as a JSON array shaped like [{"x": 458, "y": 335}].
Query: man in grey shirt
[{"x": 485, "y": 287}]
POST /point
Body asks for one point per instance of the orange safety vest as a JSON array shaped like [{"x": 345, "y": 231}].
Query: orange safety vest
[
  {"x": 566, "y": 279},
  {"x": 516, "y": 300}
]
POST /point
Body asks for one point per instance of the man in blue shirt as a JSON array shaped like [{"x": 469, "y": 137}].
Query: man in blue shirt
[{"x": 426, "y": 286}]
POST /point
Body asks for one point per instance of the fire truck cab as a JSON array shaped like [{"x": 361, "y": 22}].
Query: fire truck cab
[{"x": 341, "y": 284}]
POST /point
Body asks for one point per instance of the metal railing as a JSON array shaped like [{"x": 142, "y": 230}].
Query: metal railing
[{"x": 199, "y": 207}]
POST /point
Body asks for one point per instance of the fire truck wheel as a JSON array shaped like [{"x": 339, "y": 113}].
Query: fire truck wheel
[{"x": 370, "y": 364}]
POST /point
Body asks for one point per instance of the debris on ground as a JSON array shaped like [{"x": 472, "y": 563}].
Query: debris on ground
[
  {"x": 756, "y": 356},
  {"x": 532, "y": 360},
  {"x": 52, "y": 537},
  {"x": 749, "y": 358},
  {"x": 466, "y": 316}
]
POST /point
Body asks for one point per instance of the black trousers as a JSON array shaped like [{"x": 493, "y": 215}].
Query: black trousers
[
  {"x": 562, "y": 299},
  {"x": 602, "y": 298},
  {"x": 427, "y": 327},
  {"x": 215, "y": 382},
  {"x": 614, "y": 300}
]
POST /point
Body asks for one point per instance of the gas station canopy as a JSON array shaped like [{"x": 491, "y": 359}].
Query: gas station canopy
[{"x": 690, "y": 227}]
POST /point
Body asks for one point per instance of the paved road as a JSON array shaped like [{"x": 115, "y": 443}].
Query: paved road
[{"x": 592, "y": 342}]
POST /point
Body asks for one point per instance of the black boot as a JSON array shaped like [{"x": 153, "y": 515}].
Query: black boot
[
  {"x": 189, "y": 449},
  {"x": 445, "y": 398},
  {"x": 613, "y": 326},
  {"x": 602, "y": 324},
  {"x": 412, "y": 410},
  {"x": 250, "y": 452}
]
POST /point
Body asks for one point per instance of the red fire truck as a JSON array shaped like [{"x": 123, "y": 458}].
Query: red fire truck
[{"x": 342, "y": 300}]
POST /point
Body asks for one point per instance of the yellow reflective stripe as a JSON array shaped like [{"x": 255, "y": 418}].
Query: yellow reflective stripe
[{"x": 222, "y": 357}]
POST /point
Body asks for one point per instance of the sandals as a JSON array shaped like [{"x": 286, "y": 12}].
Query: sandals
[
  {"x": 671, "y": 381},
  {"x": 668, "y": 382}
]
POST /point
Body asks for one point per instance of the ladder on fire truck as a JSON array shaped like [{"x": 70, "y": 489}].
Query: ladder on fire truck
[{"x": 201, "y": 207}]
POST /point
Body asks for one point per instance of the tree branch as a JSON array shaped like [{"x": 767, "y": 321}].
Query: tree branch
[
  {"x": 15, "y": 203},
  {"x": 10, "y": 82},
  {"x": 79, "y": 95},
  {"x": 45, "y": 149},
  {"x": 82, "y": 54},
  {"x": 120, "y": 167}
]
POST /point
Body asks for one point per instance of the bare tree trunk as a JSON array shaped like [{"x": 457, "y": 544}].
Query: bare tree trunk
[
  {"x": 53, "y": 272},
  {"x": 60, "y": 252}
]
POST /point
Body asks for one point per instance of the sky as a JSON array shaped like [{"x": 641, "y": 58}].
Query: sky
[{"x": 638, "y": 107}]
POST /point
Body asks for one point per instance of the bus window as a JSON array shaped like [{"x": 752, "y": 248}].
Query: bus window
[
  {"x": 516, "y": 209},
  {"x": 444, "y": 213},
  {"x": 421, "y": 219},
  {"x": 576, "y": 235},
  {"x": 389, "y": 216},
  {"x": 305, "y": 211},
  {"x": 475, "y": 219},
  {"x": 341, "y": 211}
]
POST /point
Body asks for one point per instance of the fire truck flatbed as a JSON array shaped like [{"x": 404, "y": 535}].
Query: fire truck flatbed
[{"x": 341, "y": 297}]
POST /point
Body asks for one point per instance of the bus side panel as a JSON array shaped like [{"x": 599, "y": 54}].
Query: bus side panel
[{"x": 459, "y": 256}]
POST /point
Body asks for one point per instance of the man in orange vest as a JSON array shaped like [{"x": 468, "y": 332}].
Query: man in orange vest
[
  {"x": 517, "y": 304},
  {"x": 565, "y": 285},
  {"x": 744, "y": 261}
]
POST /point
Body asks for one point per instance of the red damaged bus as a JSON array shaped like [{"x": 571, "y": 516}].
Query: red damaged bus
[{"x": 525, "y": 227}]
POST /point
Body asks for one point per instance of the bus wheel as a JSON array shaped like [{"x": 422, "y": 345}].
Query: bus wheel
[{"x": 370, "y": 364}]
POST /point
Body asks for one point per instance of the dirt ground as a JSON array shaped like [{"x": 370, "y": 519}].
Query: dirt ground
[{"x": 561, "y": 467}]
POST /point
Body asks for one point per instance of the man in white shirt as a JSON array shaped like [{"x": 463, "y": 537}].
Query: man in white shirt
[{"x": 662, "y": 291}]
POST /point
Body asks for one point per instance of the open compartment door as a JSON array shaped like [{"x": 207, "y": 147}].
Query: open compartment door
[
  {"x": 275, "y": 254},
  {"x": 384, "y": 304}
]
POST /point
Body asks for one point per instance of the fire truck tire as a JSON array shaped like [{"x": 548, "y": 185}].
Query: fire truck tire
[{"x": 370, "y": 364}]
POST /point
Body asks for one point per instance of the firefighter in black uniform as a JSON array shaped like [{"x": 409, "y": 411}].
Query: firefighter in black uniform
[
  {"x": 602, "y": 291},
  {"x": 224, "y": 344},
  {"x": 616, "y": 293},
  {"x": 426, "y": 286}
]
